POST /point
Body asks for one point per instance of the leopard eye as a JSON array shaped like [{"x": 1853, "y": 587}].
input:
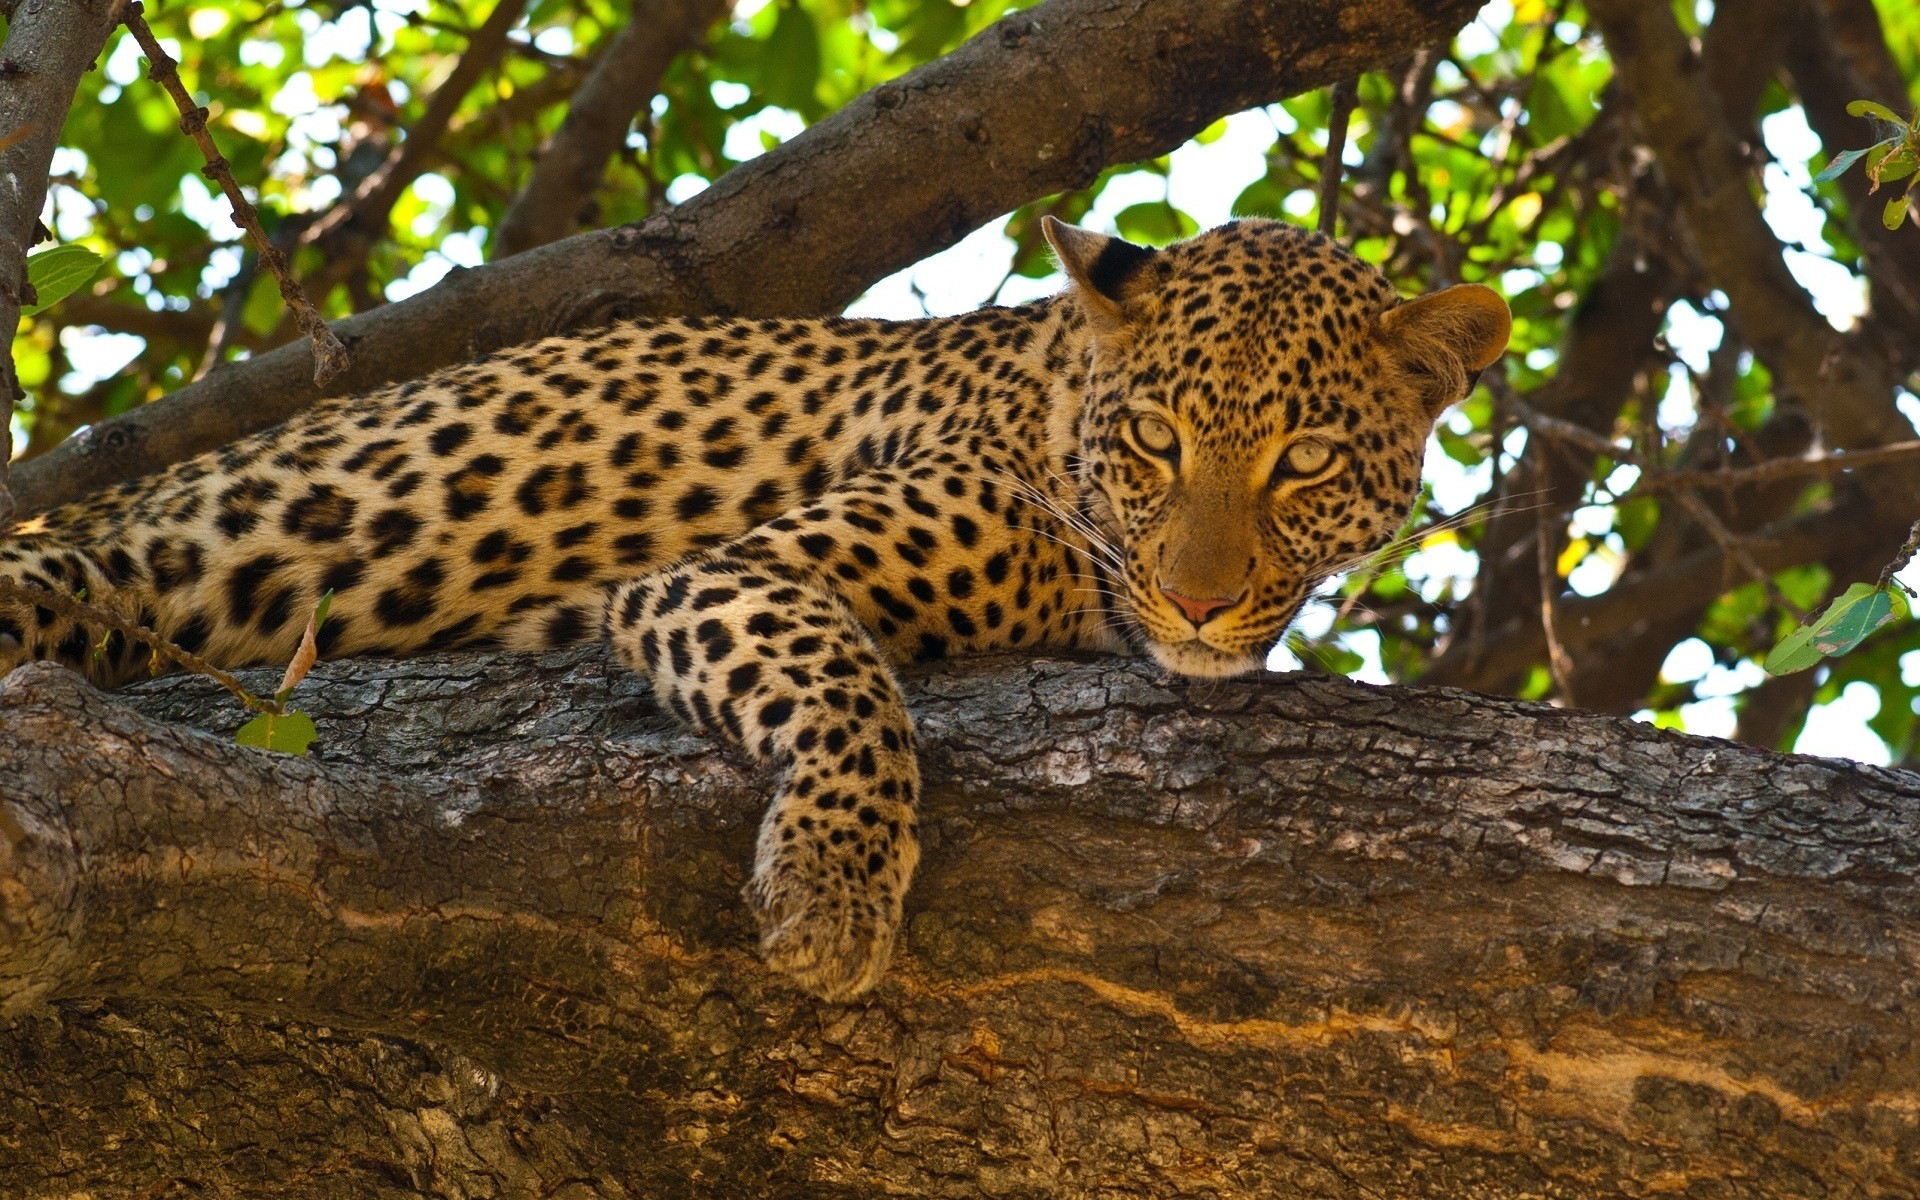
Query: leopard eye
[
  {"x": 1303, "y": 460},
  {"x": 1156, "y": 437}
]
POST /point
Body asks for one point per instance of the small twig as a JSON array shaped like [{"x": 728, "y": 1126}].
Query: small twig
[
  {"x": 1653, "y": 479},
  {"x": 80, "y": 612},
  {"x": 1332, "y": 167},
  {"x": 1558, "y": 661},
  {"x": 1900, "y": 560},
  {"x": 1735, "y": 547},
  {"x": 329, "y": 355}
]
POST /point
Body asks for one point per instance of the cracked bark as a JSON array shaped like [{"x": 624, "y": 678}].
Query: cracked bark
[{"x": 1292, "y": 936}]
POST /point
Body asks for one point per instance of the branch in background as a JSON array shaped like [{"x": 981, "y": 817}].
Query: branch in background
[
  {"x": 1332, "y": 165},
  {"x": 48, "y": 48},
  {"x": 381, "y": 190},
  {"x": 1838, "y": 54},
  {"x": 622, "y": 84},
  {"x": 186, "y": 328},
  {"x": 1847, "y": 532},
  {"x": 329, "y": 355},
  {"x": 1850, "y": 393},
  {"x": 1566, "y": 431},
  {"x": 1038, "y": 103}
]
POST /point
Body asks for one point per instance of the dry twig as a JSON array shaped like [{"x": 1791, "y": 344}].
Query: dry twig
[
  {"x": 329, "y": 355},
  {"x": 1900, "y": 560},
  {"x": 82, "y": 613}
]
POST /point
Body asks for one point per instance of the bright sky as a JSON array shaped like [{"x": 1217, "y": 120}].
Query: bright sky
[{"x": 1203, "y": 181}]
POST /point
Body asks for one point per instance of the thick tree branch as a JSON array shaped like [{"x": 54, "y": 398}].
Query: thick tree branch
[
  {"x": 1038, "y": 103},
  {"x": 1345, "y": 941},
  {"x": 48, "y": 48},
  {"x": 622, "y": 83}
]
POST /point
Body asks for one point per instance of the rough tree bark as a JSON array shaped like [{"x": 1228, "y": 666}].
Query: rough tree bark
[
  {"x": 1037, "y": 103},
  {"x": 47, "y": 48},
  {"x": 1284, "y": 937}
]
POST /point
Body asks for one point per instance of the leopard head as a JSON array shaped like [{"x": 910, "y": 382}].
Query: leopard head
[{"x": 1256, "y": 411}]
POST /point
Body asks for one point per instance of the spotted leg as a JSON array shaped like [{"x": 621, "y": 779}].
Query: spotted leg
[{"x": 746, "y": 645}]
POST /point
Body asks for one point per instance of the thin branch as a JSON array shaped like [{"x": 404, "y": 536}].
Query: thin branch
[
  {"x": 80, "y": 612},
  {"x": 1900, "y": 560},
  {"x": 1593, "y": 443},
  {"x": 1737, "y": 550},
  {"x": 329, "y": 355},
  {"x": 1558, "y": 660},
  {"x": 621, "y": 85},
  {"x": 1332, "y": 166},
  {"x": 381, "y": 189}
]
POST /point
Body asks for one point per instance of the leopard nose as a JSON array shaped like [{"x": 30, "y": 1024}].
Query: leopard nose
[{"x": 1198, "y": 611}]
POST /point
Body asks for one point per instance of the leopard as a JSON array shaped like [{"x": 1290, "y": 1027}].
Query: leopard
[{"x": 767, "y": 517}]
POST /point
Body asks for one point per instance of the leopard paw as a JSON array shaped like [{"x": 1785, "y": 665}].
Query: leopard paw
[{"x": 829, "y": 907}]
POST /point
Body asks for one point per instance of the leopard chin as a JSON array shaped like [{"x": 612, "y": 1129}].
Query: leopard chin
[{"x": 1197, "y": 660}]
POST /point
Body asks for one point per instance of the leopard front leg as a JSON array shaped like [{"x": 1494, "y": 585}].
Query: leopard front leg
[{"x": 753, "y": 649}]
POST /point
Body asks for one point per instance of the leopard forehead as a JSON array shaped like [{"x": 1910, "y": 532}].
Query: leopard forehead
[{"x": 1252, "y": 328}]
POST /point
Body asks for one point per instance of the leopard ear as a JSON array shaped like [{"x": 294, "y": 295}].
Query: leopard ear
[
  {"x": 1443, "y": 340},
  {"x": 1106, "y": 271}
]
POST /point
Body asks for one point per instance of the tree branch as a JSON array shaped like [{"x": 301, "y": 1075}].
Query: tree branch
[
  {"x": 383, "y": 186},
  {"x": 48, "y": 48},
  {"x": 1846, "y": 533},
  {"x": 1039, "y": 102},
  {"x": 1851, "y": 394},
  {"x": 623, "y": 81},
  {"x": 1348, "y": 941},
  {"x": 329, "y": 356}
]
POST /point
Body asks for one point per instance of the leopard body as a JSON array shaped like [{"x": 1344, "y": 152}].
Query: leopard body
[{"x": 764, "y": 515}]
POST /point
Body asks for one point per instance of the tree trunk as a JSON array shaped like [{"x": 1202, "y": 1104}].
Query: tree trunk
[{"x": 1292, "y": 937}]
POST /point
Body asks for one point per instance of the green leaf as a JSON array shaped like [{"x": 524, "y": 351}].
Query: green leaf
[
  {"x": 1458, "y": 447},
  {"x": 1154, "y": 223},
  {"x": 1794, "y": 653},
  {"x": 286, "y": 733},
  {"x": 1636, "y": 520},
  {"x": 1897, "y": 165},
  {"x": 1840, "y": 163},
  {"x": 1867, "y": 108},
  {"x": 56, "y": 273},
  {"x": 1859, "y": 611},
  {"x": 792, "y": 58},
  {"x": 1895, "y": 212}
]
